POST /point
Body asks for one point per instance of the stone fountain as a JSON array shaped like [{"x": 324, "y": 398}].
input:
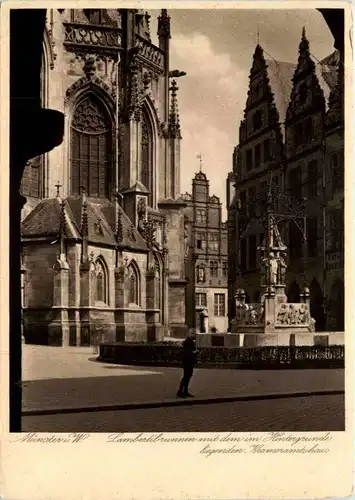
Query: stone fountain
[{"x": 273, "y": 320}]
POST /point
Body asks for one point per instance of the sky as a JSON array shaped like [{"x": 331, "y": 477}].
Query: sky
[{"x": 215, "y": 48}]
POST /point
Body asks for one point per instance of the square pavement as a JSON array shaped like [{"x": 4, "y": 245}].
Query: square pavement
[{"x": 68, "y": 378}]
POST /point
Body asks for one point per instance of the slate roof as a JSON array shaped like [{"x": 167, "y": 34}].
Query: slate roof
[
  {"x": 44, "y": 220},
  {"x": 280, "y": 75}
]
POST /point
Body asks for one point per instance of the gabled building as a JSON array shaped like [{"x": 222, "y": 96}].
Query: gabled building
[
  {"x": 206, "y": 258},
  {"x": 293, "y": 112}
]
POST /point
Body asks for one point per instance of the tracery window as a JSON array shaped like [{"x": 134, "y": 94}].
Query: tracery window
[
  {"x": 146, "y": 173},
  {"x": 91, "y": 148},
  {"x": 157, "y": 289},
  {"x": 101, "y": 282},
  {"x": 133, "y": 285}
]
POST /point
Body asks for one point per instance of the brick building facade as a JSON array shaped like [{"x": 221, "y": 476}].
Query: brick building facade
[
  {"x": 291, "y": 141},
  {"x": 103, "y": 227},
  {"x": 206, "y": 257}
]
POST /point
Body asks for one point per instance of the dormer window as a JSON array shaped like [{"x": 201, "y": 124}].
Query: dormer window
[{"x": 257, "y": 121}]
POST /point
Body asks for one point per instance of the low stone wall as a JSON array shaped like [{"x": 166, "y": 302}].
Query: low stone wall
[
  {"x": 282, "y": 339},
  {"x": 169, "y": 354}
]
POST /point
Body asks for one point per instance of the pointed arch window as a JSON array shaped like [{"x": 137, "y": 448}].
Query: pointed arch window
[
  {"x": 91, "y": 148},
  {"x": 158, "y": 291},
  {"x": 133, "y": 285},
  {"x": 146, "y": 171},
  {"x": 101, "y": 282}
]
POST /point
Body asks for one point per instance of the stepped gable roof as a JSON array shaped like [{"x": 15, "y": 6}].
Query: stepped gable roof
[{"x": 44, "y": 220}]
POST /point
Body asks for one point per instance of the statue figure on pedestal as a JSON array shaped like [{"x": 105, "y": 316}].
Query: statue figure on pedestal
[{"x": 273, "y": 266}]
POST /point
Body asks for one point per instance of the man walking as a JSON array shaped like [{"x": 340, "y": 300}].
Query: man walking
[{"x": 189, "y": 359}]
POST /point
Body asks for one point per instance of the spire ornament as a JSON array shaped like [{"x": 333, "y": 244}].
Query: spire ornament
[
  {"x": 164, "y": 24},
  {"x": 174, "y": 120},
  {"x": 62, "y": 228},
  {"x": 84, "y": 226}
]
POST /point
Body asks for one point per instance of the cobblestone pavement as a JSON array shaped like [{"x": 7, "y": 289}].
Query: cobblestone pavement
[
  {"x": 58, "y": 378},
  {"x": 310, "y": 413}
]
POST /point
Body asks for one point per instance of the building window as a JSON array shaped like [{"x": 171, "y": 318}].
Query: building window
[
  {"x": 312, "y": 179},
  {"x": 214, "y": 242},
  {"x": 133, "y": 285},
  {"x": 257, "y": 155},
  {"x": 225, "y": 268},
  {"x": 200, "y": 274},
  {"x": 308, "y": 129},
  {"x": 295, "y": 240},
  {"x": 243, "y": 254},
  {"x": 267, "y": 150},
  {"x": 251, "y": 201},
  {"x": 91, "y": 152},
  {"x": 337, "y": 230},
  {"x": 201, "y": 242},
  {"x": 214, "y": 269},
  {"x": 219, "y": 304},
  {"x": 303, "y": 92},
  {"x": 252, "y": 251},
  {"x": 337, "y": 173},
  {"x": 101, "y": 282},
  {"x": 201, "y": 217},
  {"x": 249, "y": 159},
  {"x": 201, "y": 299},
  {"x": 312, "y": 236},
  {"x": 257, "y": 121},
  {"x": 157, "y": 290},
  {"x": 294, "y": 183},
  {"x": 298, "y": 133},
  {"x": 146, "y": 173}
]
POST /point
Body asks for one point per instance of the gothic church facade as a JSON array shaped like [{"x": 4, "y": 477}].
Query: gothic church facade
[{"x": 103, "y": 226}]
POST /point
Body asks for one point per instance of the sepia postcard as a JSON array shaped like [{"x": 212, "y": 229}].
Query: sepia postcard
[{"x": 176, "y": 201}]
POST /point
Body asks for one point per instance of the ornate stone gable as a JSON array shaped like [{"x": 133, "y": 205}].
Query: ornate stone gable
[
  {"x": 307, "y": 94},
  {"x": 260, "y": 95}
]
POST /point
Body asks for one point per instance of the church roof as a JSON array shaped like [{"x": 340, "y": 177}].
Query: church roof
[{"x": 44, "y": 220}]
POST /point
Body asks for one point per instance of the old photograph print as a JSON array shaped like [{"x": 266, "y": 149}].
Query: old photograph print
[{"x": 177, "y": 220}]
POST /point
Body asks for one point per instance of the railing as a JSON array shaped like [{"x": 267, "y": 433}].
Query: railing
[
  {"x": 150, "y": 54},
  {"x": 170, "y": 354},
  {"x": 99, "y": 37}
]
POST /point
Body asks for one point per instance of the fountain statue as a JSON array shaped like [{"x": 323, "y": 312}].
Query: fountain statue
[{"x": 273, "y": 319}]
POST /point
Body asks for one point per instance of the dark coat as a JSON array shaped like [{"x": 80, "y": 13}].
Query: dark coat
[{"x": 189, "y": 353}]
